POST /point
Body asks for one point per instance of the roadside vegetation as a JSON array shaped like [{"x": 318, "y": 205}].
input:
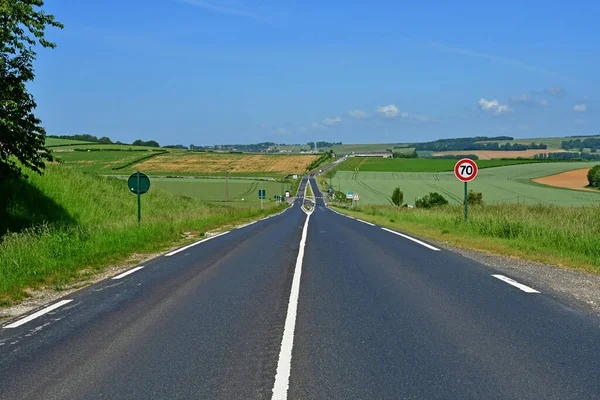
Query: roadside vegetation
[
  {"x": 55, "y": 226},
  {"x": 564, "y": 236},
  {"x": 594, "y": 177}
]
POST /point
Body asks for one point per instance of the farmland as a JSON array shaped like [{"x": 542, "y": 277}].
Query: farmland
[
  {"x": 242, "y": 191},
  {"x": 100, "y": 162},
  {"x": 552, "y": 143},
  {"x": 53, "y": 142},
  {"x": 415, "y": 165},
  {"x": 512, "y": 183},
  {"x": 490, "y": 155},
  {"x": 207, "y": 164}
]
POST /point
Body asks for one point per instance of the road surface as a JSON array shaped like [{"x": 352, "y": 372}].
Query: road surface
[{"x": 299, "y": 307}]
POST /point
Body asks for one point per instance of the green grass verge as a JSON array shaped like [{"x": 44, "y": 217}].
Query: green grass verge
[
  {"x": 67, "y": 221},
  {"x": 564, "y": 236}
]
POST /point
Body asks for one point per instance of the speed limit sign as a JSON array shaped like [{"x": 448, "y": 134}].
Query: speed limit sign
[{"x": 465, "y": 170}]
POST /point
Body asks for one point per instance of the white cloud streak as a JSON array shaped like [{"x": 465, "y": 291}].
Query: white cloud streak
[
  {"x": 491, "y": 57},
  {"x": 331, "y": 121},
  {"x": 580, "y": 108},
  {"x": 228, "y": 7}
]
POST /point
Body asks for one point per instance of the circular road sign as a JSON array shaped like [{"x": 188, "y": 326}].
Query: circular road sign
[
  {"x": 465, "y": 170},
  {"x": 139, "y": 185}
]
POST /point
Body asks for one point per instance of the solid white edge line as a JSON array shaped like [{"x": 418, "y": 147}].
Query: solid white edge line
[
  {"x": 284, "y": 365},
  {"x": 37, "y": 314},
  {"x": 412, "y": 239},
  {"x": 365, "y": 222},
  {"x": 124, "y": 274},
  {"x": 516, "y": 284},
  {"x": 195, "y": 244},
  {"x": 243, "y": 226}
]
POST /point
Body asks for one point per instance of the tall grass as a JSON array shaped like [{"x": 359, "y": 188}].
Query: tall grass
[
  {"x": 568, "y": 235},
  {"x": 98, "y": 226}
]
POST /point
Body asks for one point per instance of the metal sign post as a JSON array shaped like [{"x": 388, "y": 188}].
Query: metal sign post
[
  {"x": 139, "y": 184},
  {"x": 262, "y": 194},
  {"x": 466, "y": 170}
]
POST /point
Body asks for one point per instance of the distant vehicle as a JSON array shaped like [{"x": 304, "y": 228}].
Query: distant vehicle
[
  {"x": 287, "y": 193},
  {"x": 320, "y": 171}
]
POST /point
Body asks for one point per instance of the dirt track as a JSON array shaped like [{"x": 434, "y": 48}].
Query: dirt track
[{"x": 576, "y": 179}]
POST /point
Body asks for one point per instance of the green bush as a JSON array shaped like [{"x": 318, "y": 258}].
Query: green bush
[
  {"x": 475, "y": 198},
  {"x": 431, "y": 200},
  {"x": 397, "y": 196},
  {"x": 594, "y": 177}
]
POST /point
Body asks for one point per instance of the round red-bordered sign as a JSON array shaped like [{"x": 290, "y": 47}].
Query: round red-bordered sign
[{"x": 466, "y": 170}]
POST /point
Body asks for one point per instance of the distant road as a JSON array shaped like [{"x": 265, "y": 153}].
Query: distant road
[{"x": 319, "y": 307}]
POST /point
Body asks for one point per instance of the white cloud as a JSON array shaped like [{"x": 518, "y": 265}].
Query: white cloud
[
  {"x": 317, "y": 125},
  {"x": 331, "y": 121},
  {"x": 579, "y": 122},
  {"x": 302, "y": 129},
  {"x": 357, "y": 114},
  {"x": 580, "y": 108},
  {"x": 544, "y": 103},
  {"x": 389, "y": 111},
  {"x": 493, "y": 107},
  {"x": 556, "y": 91}
]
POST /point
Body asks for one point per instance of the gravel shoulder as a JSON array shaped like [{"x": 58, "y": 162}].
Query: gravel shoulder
[{"x": 578, "y": 289}]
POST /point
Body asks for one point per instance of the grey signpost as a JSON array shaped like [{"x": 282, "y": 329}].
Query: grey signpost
[
  {"x": 139, "y": 184},
  {"x": 262, "y": 194}
]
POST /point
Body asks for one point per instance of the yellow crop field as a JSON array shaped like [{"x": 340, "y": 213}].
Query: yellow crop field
[{"x": 216, "y": 163}]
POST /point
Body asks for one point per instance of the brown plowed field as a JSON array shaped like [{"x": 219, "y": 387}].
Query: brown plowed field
[
  {"x": 576, "y": 179},
  {"x": 234, "y": 163},
  {"x": 490, "y": 155}
]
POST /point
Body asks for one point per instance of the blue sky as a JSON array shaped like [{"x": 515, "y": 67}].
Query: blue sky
[{"x": 243, "y": 71}]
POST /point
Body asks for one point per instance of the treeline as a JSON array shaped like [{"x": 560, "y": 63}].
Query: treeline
[
  {"x": 406, "y": 155},
  {"x": 104, "y": 140},
  {"x": 568, "y": 156},
  {"x": 589, "y": 143},
  {"x": 471, "y": 144},
  {"x": 322, "y": 144}
]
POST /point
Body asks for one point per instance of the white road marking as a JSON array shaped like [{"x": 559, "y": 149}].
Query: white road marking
[
  {"x": 365, "y": 222},
  {"x": 124, "y": 274},
  {"x": 243, "y": 226},
  {"x": 284, "y": 365},
  {"x": 194, "y": 244},
  {"x": 412, "y": 239},
  {"x": 37, "y": 314},
  {"x": 516, "y": 284}
]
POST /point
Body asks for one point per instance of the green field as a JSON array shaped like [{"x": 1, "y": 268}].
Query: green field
[
  {"x": 100, "y": 162},
  {"x": 214, "y": 189},
  {"x": 105, "y": 147},
  {"x": 502, "y": 184},
  {"x": 415, "y": 164},
  {"x": 51, "y": 142}
]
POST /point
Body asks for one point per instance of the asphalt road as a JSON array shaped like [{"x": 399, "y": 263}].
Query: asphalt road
[{"x": 319, "y": 307}]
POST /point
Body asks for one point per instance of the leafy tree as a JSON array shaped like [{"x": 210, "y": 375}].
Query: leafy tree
[
  {"x": 594, "y": 177},
  {"x": 397, "y": 196},
  {"x": 22, "y": 138},
  {"x": 104, "y": 140}
]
